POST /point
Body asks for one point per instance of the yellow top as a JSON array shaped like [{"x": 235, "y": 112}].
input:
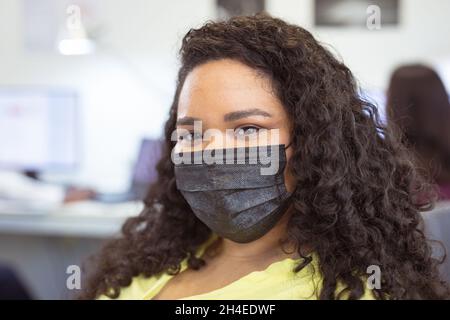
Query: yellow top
[{"x": 278, "y": 282}]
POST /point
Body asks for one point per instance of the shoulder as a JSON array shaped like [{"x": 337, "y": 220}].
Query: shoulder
[{"x": 146, "y": 287}]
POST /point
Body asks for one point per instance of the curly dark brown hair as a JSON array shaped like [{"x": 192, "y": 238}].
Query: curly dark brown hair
[{"x": 358, "y": 197}]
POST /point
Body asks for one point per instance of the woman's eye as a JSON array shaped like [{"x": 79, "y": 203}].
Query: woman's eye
[
  {"x": 190, "y": 136},
  {"x": 246, "y": 131}
]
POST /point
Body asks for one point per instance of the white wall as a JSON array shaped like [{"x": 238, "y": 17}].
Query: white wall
[
  {"x": 422, "y": 35},
  {"x": 127, "y": 85}
]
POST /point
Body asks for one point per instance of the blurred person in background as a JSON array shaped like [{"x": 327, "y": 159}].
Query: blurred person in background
[
  {"x": 418, "y": 107},
  {"x": 18, "y": 187},
  {"x": 11, "y": 286}
]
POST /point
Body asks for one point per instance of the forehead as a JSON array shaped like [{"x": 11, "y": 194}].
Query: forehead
[{"x": 223, "y": 86}]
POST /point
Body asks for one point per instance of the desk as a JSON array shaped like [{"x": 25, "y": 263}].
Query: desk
[{"x": 40, "y": 245}]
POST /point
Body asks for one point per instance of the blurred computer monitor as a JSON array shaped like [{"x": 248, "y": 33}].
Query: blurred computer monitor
[
  {"x": 38, "y": 129},
  {"x": 143, "y": 175}
]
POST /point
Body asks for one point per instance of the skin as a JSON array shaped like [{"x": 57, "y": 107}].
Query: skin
[
  {"x": 75, "y": 194},
  {"x": 211, "y": 93}
]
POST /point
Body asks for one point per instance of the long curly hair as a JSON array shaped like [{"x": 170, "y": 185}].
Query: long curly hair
[{"x": 358, "y": 197}]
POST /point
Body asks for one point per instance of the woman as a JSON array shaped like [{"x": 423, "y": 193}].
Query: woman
[
  {"x": 346, "y": 202},
  {"x": 418, "y": 105}
]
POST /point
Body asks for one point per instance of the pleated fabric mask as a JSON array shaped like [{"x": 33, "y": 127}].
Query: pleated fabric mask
[{"x": 235, "y": 200}]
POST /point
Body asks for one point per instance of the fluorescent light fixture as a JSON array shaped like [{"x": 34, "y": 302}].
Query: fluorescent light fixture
[
  {"x": 73, "y": 39},
  {"x": 77, "y": 46}
]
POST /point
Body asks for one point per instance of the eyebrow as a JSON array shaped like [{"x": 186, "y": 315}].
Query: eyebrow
[
  {"x": 187, "y": 121},
  {"x": 231, "y": 116},
  {"x": 236, "y": 115}
]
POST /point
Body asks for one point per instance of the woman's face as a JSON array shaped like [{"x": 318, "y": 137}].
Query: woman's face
[{"x": 226, "y": 94}]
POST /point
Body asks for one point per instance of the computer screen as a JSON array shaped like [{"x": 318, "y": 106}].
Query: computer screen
[
  {"x": 38, "y": 129},
  {"x": 148, "y": 157},
  {"x": 145, "y": 173}
]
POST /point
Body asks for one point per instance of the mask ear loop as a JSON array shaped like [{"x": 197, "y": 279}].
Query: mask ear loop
[
  {"x": 295, "y": 189},
  {"x": 290, "y": 143},
  {"x": 287, "y": 198}
]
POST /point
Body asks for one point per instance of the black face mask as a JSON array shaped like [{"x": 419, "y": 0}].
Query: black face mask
[{"x": 235, "y": 200}]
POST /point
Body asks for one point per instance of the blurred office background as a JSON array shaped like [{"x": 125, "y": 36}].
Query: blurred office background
[{"x": 85, "y": 87}]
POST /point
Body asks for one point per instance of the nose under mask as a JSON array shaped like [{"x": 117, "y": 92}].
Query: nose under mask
[{"x": 236, "y": 200}]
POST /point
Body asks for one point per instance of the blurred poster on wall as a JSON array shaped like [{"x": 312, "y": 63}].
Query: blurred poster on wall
[
  {"x": 40, "y": 24},
  {"x": 354, "y": 13},
  {"x": 45, "y": 21},
  {"x": 230, "y": 8}
]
